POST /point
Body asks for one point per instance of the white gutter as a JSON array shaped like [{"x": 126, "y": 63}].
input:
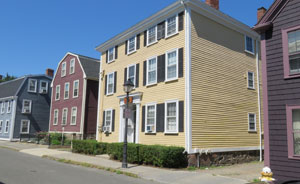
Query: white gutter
[{"x": 259, "y": 103}]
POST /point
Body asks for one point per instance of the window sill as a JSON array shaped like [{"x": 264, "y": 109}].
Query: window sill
[
  {"x": 57, "y": 99},
  {"x": 150, "y": 85},
  {"x": 108, "y": 62},
  {"x": 249, "y": 52},
  {"x": 252, "y": 131},
  {"x": 171, "y": 133},
  {"x": 292, "y": 76},
  {"x": 150, "y": 133},
  {"x": 72, "y": 124},
  {"x": 31, "y": 91},
  {"x": 294, "y": 157},
  {"x": 251, "y": 88},
  {"x": 75, "y": 96},
  {"x": 129, "y": 53},
  {"x": 149, "y": 44},
  {"x": 26, "y": 112},
  {"x": 66, "y": 98},
  {"x": 171, "y": 35},
  {"x": 55, "y": 124},
  {"x": 110, "y": 94},
  {"x": 171, "y": 80}
]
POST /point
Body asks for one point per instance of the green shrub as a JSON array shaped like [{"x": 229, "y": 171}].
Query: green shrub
[{"x": 89, "y": 147}]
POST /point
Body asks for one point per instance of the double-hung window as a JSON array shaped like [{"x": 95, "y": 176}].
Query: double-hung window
[
  {"x": 25, "y": 124},
  {"x": 249, "y": 44},
  {"x": 9, "y": 104},
  {"x": 6, "y": 126},
  {"x": 293, "y": 131},
  {"x": 64, "y": 116},
  {"x": 171, "y": 117},
  {"x": 294, "y": 51},
  {"x": 75, "y": 88},
  {"x": 251, "y": 122},
  {"x": 2, "y": 107},
  {"x": 110, "y": 84},
  {"x": 152, "y": 71},
  {"x": 73, "y": 116},
  {"x": 55, "y": 117},
  {"x": 72, "y": 65},
  {"x": 67, "y": 90},
  {"x": 108, "y": 121},
  {"x": 172, "y": 65},
  {"x": 63, "y": 69},
  {"x": 1, "y": 125},
  {"x": 32, "y": 85},
  {"x": 57, "y": 92},
  {"x": 151, "y": 118},
  {"x": 26, "y": 108},
  {"x": 131, "y": 73},
  {"x": 171, "y": 26},
  {"x": 131, "y": 45},
  {"x": 250, "y": 80},
  {"x": 152, "y": 35},
  {"x": 111, "y": 54},
  {"x": 43, "y": 87}
]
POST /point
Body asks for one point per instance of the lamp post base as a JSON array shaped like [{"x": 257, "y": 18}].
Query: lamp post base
[{"x": 124, "y": 165}]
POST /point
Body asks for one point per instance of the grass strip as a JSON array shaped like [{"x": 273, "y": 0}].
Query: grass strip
[
  {"x": 117, "y": 171},
  {"x": 5, "y": 147}
]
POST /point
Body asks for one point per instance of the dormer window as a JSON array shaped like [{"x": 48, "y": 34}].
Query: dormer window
[
  {"x": 32, "y": 85},
  {"x": 131, "y": 45},
  {"x": 111, "y": 55},
  {"x": 43, "y": 87}
]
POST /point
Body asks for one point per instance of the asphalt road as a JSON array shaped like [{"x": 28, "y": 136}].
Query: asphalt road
[{"x": 20, "y": 168}]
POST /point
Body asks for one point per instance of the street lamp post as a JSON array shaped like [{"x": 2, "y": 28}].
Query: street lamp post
[{"x": 128, "y": 87}]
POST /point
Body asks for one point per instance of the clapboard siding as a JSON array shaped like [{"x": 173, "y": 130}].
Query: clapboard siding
[{"x": 280, "y": 93}]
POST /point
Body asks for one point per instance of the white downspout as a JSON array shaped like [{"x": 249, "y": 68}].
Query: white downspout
[
  {"x": 259, "y": 103},
  {"x": 14, "y": 111}
]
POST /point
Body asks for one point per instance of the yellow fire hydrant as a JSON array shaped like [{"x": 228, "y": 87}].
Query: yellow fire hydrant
[{"x": 266, "y": 175}]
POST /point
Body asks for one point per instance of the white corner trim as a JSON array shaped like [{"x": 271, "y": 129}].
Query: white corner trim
[
  {"x": 188, "y": 88},
  {"x": 99, "y": 100},
  {"x": 13, "y": 119}
]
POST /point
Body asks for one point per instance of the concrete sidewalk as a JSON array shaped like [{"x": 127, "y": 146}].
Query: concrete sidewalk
[{"x": 145, "y": 172}]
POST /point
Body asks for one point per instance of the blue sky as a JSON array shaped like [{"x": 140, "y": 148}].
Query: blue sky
[{"x": 36, "y": 34}]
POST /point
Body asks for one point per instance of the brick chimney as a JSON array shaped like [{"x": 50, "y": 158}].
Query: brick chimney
[
  {"x": 49, "y": 72},
  {"x": 213, "y": 3},
  {"x": 260, "y": 13}
]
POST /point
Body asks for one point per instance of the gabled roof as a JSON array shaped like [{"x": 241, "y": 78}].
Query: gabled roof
[
  {"x": 266, "y": 21},
  {"x": 91, "y": 66},
  {"x": 10, "y": 88}
]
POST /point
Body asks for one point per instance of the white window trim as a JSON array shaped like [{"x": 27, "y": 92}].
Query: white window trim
[
  {"x": 249, "y": 122},
  {"x": 9, "y": 104},
  {"x": 166, "y": 65},
  {"x": 30, "y": 106},
  {"x": 111, "y": 118},
  {"x": 62, "y": 117},
  {"x": 248, "y": 51},
  {"x": 72, "y": 115},
  {"x": 65, "y": 98},
  {"x": 166, "y": 26},
  {"x": 28, "y": 126},
  {"x": 1, "y": 126},
  {"x": 177, "y": 116},
  {"x": 46, "y": 86},
  {"x": 2, "y": 107},
  {"x": 113, "y": 73},
  {"x": 134, "y": 73},
  {"x": 74, "y": 89},
  {"x": 62, "y": 69},
  {"x": 57, "y": 91},
  {"x": 147, "y": 65},
  {"x": 252, "y": 79},
  {"x": 35, "y": 88},
  {"x": 146, "y": 117},
  {"x": 148, "y": 44},
  {"x": 114, "y": 55},
  {"x": 6, "y": 126},
  {"x": 128, "y": 53},
  {"x": 72, "y": 60},
  {"x": 55, "y": 110}
]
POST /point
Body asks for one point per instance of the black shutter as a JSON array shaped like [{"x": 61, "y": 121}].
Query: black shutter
[
  {"x": 103, "y": 120},
  {"x": 145, "y": 38},
  {"x": 105, "y": 84},
  {"x": 116, "y": 52},
  {"x": 137, "y": 74},
  {"x": 106, "y": 56},
  {"x": 115, "y": 82},
  {"x": 113, "y": 121},
  {"x": 126, "y": 44},
  {"x": 144, "y": 73},
  {"x": 161, "y": 68},
  {"x": 125, "y": 75},
  {"x": 160, "y": 117},
  {"x": 181, "y": 116},
  {"x": 138, "y": 41},
  {"x": 180, "y": 21},
  {"x": 161, "y": 30},
  {"x": 143, "y": 119},
  {"x": 180, "y": 62}
]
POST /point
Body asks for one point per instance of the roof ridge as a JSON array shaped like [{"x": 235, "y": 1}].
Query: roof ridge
[{"x": 98, "y": 60}]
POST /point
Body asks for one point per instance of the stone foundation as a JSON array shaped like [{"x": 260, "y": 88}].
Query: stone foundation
[{"x": 223, "y": 158}]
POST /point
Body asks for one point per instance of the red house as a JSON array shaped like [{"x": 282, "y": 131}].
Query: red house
[{"x": 75, "y": 96}]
